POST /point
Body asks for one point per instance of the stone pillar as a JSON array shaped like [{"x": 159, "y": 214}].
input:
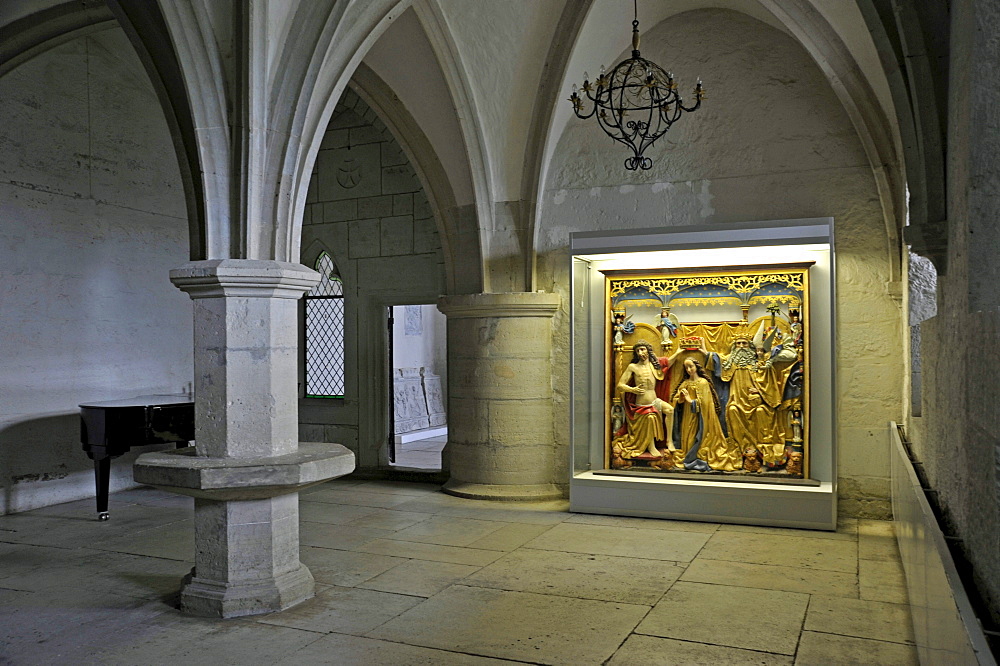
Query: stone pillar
[
  {"x": 247, "y": 466},
  {"x": 500, "y": 439}
]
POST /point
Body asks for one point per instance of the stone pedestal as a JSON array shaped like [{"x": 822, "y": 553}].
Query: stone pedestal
[
  {"x": 247, "y": 466},
  {"x": 500, "y": 440}
]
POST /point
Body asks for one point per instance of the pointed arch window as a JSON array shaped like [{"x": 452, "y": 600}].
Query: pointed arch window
[{"x": 325, "y": 332}]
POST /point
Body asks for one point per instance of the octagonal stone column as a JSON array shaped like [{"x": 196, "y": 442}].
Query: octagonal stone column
[
  {"x": 247, "y": 467},
  {"x": 500, "y": 440}
]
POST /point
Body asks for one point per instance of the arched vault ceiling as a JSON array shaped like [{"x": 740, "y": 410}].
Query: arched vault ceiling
[
  {"x": 404, "y": 59},
  {"x": 606, "y": 34},
  {"x": 502, "y": 49}
]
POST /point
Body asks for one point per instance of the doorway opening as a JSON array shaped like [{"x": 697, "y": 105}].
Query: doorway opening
[{"x": 418, "y": 379}]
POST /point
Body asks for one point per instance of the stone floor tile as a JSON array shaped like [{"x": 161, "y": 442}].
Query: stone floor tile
[
  {"x": 429, "y": 551},
  {"x": 879, "y": 528},
  {"x": 419, "y": 459},
  {"x": 355, "y": 497},
  {"x": 147, "y": 495},
  {"x": 399, "y": 488},
  {"x": 643, "y": 523},
  {"x": 875, "y": 546},
  {"x": 447, "y": 531},
  {"x": 389, "y": 519},
  {"x": 358, "y": 651},
  {"x": 34, "y": 568},
  {"x": 755, "y": 548},
  {"x": 443, "y": 499},
  {"x": 510, "y": 536},
  {"x": 344, "y": 610},
  {"x": 420, "y": 578},
  {"x": 622, "y": 541},
  {"x": 539, "y": 513},
  {"x": 579, "y": 575},
  {"x": 97, "y": 592},
  {"x": 516, "y": 625},
  {"x": 178, "y": 639},
  {"x": 124, "y": 515},
  {"x": 847, "y": 534},
  {"x": 741, "y": 617},
  {"x": 771, "y": 577},
  {"x": 60, "y": 627},
  {"x": 652, "y": 651},
  {"x": 333, "y": 484},
  {"x": 428, "y": 445},
  {"x": 204, "y": 642},
  {"x": 817, "y": 649},
  {"x": 860, "y": 618},
  {"x": 142, "y": 577},
  {"x": 333, "y": 514},
  {"x": 173, "y": 541},
  {"x": 882, "y": 581},
  {"x": 75, "y": 524},
  {"x": 342, "y": 537},
  {"x": 345, "y": 568}
]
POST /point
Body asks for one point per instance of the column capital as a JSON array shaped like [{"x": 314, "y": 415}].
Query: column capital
[
  {"x": 514, "y": 304},
  {"x": 247, "y": 278}
]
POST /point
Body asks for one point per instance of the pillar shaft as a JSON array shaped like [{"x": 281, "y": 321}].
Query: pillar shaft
[
  {"x": 245, "y": 356},
  {"x": 500, "y": 439},
  {"x": 246, "y": 414}
]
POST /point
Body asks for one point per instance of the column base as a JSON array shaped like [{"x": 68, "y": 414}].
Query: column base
[
  {"x": 209, "y": 598},
  {"x": 538, "y": 492}
]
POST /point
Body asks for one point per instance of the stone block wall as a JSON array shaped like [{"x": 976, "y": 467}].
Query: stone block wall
[
  {"x": 367, "y": 208},
  {"x": 957, "y": 438}
]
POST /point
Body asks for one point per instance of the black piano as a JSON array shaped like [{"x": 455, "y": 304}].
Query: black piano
[{"x": 109, "y": 429}]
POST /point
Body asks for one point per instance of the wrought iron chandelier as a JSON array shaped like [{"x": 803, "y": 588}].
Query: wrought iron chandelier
[{"x": 636, "y": 103}]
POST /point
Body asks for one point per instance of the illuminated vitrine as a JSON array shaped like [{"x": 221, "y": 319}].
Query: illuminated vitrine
[{"x": 703, "y": 373}]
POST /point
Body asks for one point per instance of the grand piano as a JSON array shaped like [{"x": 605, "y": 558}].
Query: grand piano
[{"x": 109, "y": 429}]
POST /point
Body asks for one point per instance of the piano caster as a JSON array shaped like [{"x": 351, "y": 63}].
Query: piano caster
[{"x": 102, "y": 516}]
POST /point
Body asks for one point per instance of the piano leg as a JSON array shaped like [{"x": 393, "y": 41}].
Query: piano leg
[{"x": 102, "y": 474}]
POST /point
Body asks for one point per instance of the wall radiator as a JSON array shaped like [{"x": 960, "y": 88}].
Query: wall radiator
[{"x": 945, "y": 627}]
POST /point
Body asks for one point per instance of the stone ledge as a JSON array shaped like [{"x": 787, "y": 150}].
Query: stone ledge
[
  {"x": 514, "y": 304},
  {"x": 227, "y": 479},
  {"x": 248, "y": 278}
]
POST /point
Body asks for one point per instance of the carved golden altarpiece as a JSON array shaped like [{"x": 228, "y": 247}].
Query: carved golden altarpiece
[{"x": 747, "y": 327}]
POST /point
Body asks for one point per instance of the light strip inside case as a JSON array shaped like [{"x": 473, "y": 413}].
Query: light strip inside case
[{"x": 726, "y": 256}]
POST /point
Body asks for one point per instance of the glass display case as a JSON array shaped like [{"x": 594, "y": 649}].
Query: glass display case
[{"x": 703, "y": 374}]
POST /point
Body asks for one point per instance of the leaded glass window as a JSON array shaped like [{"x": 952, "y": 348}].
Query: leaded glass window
[{"x": 325, "y": 333}]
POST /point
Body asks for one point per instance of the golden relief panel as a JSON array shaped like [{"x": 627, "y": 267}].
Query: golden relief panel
[{"x": 707, "y": 372}]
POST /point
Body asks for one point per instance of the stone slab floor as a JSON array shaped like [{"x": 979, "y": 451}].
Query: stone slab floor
[
  {"x": 421, "y": 453},
  {"x": 408, "y": 575}
]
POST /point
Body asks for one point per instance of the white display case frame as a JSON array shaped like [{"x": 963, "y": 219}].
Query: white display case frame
[{"x": 688, "y": 497}]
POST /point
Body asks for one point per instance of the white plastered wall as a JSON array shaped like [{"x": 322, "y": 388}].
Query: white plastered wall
[{"x": 92, "y": 217}]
